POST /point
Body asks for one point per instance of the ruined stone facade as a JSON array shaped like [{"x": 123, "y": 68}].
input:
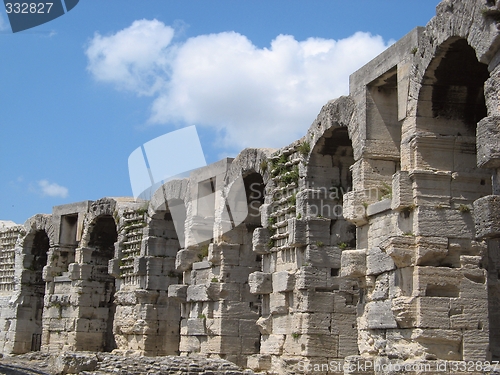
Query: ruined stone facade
[{"x": 375, "y": 237}]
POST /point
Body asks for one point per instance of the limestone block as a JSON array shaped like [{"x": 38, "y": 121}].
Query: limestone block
[
  {"x": 260, "y": 240},
  {"x": 378, "y": 315},
  {"x": 378, "y": 207},
  {"x": 487, "y": 216},
  {"x": 272, "y": 344},
  {"x": 439, "y": 343},
  {"x": 248, "y": 328},
  {"x": 401, "y": 249},
  {"x": 430, "y": 187},
  {"x": 354, "y": 207},
  {"x": 353, "y": 263},
  {"x": 239, "y": 310},
  {"x": 297, "y": 232},
  {"x": 318, "y": 230},
  {"x": 313, "y": 301},
  {"x": 469, "y": 313},
  {"x": 114, "y": 267},
  {"x": 178, "y": 292},
  {"x": 282, "y": 324},
  {"x": 312, "y": 345},
  {"x": 201, "y": 265},
  {"x": 444, "y": 222},
  {"x": 236, "y": 274},
  {"x": 169, "y": 313},
  {"x": 346, "y": 327},
  {"x": 222, "y": 345},
  {"x": 260, "y": 283},
  {"x": 437, "y": 282},
  {"x": 222, "y": 327},
  {"x": 307, "y": 323},
  {"x": 430, "y": 251},
  {"x": 469, "y": 186},
  {"x": 259, "y": 362},
  {"x": 147, "y": 296},
  {"x": 402, "y": 194},
  {"x": 345, "y": 303},
  {"x": 154, "y": 266},
  {"x": 278, "y": 303},
  {"x": 80, "y": 271},
  {"x": 471, "y": 261},
  {"x": 185, "y": 258},
  {"x": 433, "y": 312},
  {"x": 224, "y": 291},
  {"x": 230, "y": 254},
  {"x": 193, "y": 327},
  {"x": 488, "y": 142},
  {"x": 323, "y": 256},
  {"x": 265, "y": 211},
  {"x": 157, "y": 283},
  {"x": 140, "y": 266},
  {"x": 371, "y": 174},
  {"x": 201, "y": 276},
  {"x": 473, "y": 284},
  {"x": 475, "y": 345},
  {"x": 377, "y": 262},
  {"x": 83, "y": 255},
  {"x": 404, "y": 310},
  {"x": 189, "y": 344},
  {"x": 249, "y": 345},
  {"x": 72, "y": 363},
  {"x": 283, "y": 281},
  {"x": 197, "y": 293},
  {"x": 379, "y": 289},
  {"x": 310, "y": 277},
  {"x": 265, "y": 325},
  {"x": 156, "y": 246},
  {"x": 491, "y": 86}
]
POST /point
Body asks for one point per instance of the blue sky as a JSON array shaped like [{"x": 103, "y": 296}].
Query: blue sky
[{"x": 80, "y": 93}]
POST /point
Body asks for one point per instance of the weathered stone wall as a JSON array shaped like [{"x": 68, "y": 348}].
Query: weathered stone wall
[{"x": 375, "y": 237}]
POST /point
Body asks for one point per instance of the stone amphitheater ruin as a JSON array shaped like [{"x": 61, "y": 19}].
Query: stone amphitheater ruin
[{"x": 375, "y": 237}]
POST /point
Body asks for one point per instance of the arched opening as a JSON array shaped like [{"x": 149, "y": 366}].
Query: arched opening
[
  {"x": 329, "y": 177},
  {"x": 451, "y": 103},
  {"x": 38, "y": 245},
  {"x": 100, "y": 285},
  {"x": 446, "y": 181},
  {"x": 165, "y": 231},
  {"x": 247, "y": 260}
]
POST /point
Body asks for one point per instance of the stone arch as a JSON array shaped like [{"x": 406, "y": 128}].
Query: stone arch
[
  {"x": 41, "y": 222},
  {"x": 34, "y": 258},
  {"x": 250, "y": 160},
  {"x": 97, "y": 287},
  {"x": 169, "y": 203},
  {"x": 328, "y": 174},
  {"x": 450, "y": 103},
  {"x": 338, "y": 113},
  {"x": 101, "y": 207},
  {"x": 149, "y": 241},
  {"x": 443, "y": 173}
]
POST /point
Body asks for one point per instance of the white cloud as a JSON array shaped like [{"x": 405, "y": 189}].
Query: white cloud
[
  {"x": 254, "y": 97},
  {"x": 52, "y": 189},
  {"x": 134, "y": 58}
]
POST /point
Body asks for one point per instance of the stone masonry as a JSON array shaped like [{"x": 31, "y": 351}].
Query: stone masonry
[{"x": 375, "y": 238}]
